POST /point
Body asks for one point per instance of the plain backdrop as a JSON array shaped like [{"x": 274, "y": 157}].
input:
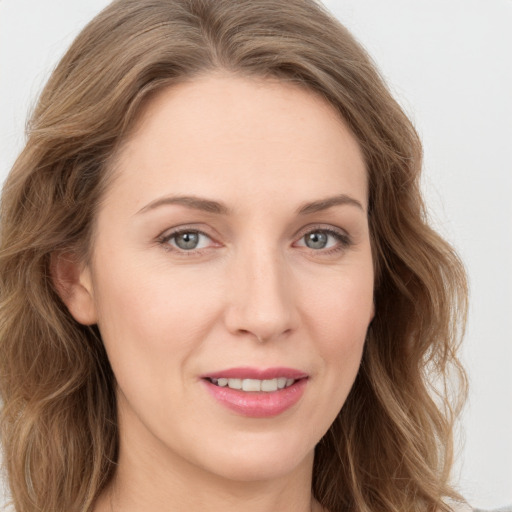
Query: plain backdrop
[{"x": 449, "y": 63}]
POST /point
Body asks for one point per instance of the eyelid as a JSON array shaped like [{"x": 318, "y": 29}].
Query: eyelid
[
  {"x": 343, "y": 237},
  {"x": 164, "y": 240}
]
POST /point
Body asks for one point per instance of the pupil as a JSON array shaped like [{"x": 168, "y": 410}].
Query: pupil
[
  {"x": 317, "y": 240},
  {"x": 187, "y": 240}
]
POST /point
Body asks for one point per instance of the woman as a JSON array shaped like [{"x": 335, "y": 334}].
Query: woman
[{"x": 219, "y": 289}]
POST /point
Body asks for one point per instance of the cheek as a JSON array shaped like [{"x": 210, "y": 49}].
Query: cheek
[
  {"x": 154, "y": 306},
  {"x": 341, "y": 309},
  {"x": 152, "y": 325},
  {"x": 340, "y": 331},
  {"x": 337, "y": 317}
]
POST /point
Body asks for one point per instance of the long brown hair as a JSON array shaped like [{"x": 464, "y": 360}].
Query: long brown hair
[{"x": 390, "y": 448}]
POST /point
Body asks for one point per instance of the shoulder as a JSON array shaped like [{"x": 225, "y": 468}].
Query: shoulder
[
  {"x": 463, "y": 507},
  {"x": 502, "y": 509}
]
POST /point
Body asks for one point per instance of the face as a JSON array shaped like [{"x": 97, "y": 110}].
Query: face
[{"x": 232, "y": 250}]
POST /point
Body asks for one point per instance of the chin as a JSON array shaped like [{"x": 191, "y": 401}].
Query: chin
[{"x": 261, "y": 459}]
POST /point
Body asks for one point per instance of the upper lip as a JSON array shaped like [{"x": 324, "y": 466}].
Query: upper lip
[{"x": 246, "y": 372}]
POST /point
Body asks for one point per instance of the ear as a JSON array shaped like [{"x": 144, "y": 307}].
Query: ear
[
  {"x": 72, "y": 280},
  {"x": 372, "y": 314}
]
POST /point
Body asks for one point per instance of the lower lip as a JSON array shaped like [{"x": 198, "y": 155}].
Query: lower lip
[{"x": 258, "y": 404}]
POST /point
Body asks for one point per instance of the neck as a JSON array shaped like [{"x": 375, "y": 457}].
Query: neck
[
  {"x": 152, "y": 491},
  {"x": 158, "y": 481}
]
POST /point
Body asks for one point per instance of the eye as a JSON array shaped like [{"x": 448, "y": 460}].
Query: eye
[
  {"x": 187, "y": 240},
  {"x": 327, "y": 240},
  {"x": 317, "y": 240}
]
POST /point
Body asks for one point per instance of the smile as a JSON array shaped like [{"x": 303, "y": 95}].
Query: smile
[
  {"x": 256, "y": 393},
  {"x": 254, "y": 385}
]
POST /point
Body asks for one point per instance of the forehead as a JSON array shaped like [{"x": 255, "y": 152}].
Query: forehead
[{"x": 229, "y": 135}]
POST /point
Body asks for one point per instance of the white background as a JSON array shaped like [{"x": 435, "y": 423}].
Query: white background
[{"x": 449, "y": 63}]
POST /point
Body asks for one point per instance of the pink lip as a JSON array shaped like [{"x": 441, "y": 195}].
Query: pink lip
[
  {"x": 257, "y": 404},
  {"x": 246, "y": 372}
]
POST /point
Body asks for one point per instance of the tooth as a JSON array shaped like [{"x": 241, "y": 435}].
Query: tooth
[
  {"x": 254, "y": 385},
  {"x": 251, "y": 385},
  {"x": 281, "y": 382},
  {"x": 269, "y": 385},
  {"x": 235, "y": 383}
]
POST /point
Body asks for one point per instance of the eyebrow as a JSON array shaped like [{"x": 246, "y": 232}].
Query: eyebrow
[
  {"x": 329, "y": 202},
  {"x": 218, "y": 208},
  {"x": 196, "y": 203}
]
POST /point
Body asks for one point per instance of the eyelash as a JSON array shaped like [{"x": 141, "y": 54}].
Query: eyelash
[
  {"x": 164, "y": 241},
  {"x": 344, "y": 241}
]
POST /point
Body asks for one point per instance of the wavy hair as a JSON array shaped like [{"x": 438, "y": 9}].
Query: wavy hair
[{"x": 391, "y": 446}]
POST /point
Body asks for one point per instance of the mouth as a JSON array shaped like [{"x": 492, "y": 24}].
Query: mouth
[
  {"x": 254, "y": 385},
  {"x": 257, "y": 393}
]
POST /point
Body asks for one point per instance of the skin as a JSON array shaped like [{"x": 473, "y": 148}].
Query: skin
[{"x": 253, "y": 293}]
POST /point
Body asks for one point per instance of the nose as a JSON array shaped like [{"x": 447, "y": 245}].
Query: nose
[{"x": 261, "y": 299}]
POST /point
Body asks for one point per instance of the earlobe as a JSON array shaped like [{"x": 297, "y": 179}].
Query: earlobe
[
  {"x": 372, "y": 316},
  {"x": 72, "y": 281}
]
